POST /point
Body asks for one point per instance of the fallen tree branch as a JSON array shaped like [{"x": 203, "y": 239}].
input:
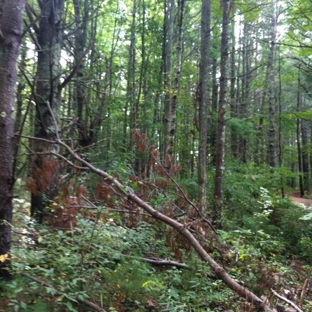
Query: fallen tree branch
[
  {"x": 160, "y": 262},
  {"x": 179, "y": 227},
  {"x": 84, "y": 301},
  {"x": 286, "y": 300},
  {"x": 218, "y": 269}
]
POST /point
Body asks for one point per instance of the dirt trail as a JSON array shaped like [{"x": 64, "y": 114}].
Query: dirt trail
[{"x": 300, "y": 201}]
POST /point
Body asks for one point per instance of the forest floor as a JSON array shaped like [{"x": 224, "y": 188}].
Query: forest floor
[{"x": 300, "y": 201}]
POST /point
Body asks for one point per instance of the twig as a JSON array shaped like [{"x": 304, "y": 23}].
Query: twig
[
  {"x": 86, "y": 302},
  {"x": 286, "y": 300},
  {"x": 89, "y": 201}
]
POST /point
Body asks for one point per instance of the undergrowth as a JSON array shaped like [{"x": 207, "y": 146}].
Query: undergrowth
[{"x": 104, "y": 258}]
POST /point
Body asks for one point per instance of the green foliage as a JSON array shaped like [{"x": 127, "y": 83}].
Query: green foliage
[
  {"x": 242, "y": 128},
  {"x": 272, "y": 224},
  {"x": 102, "y": 261}
]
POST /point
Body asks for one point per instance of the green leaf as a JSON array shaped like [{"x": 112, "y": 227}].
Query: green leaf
[
  {"x": 50, "y": 291},
  {"x": 307, "y": 217},
  {"x": 70, "y": 307}
]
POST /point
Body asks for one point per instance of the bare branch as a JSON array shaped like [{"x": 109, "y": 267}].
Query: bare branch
[
  {"x": 286, "y": 300},
  {"x": 179, "y": 227},
  {"x": 76, "y": 66},
  {"x": 160, "y": 262}
]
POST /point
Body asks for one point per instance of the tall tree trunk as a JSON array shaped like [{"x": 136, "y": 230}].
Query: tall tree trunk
[
  {"x": 218, "y": 200},
  {"x": 176, "y": 82},
  {"x": 299, "y": 138},
  {"x": 246, "y": 57},
  {"x": 132, "y": 93},
  {"x": 167, "y": 67},
  {"x": 233, "y": 102},
  {"x": 45, "y": 171},
  {"x": 10, "y": 40},
  {"x": 272, "y": 89},
  {"x": 280, "y": 128},
  {"x": 213, "y": 111},
  {"x": 305, "y": 155},
  {"x": 203, "y": 103},
  {"x": 80, "y": 102}
]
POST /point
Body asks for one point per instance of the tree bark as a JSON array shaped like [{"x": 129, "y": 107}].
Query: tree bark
[
  {"x": 203, "y": 103},
  {"x": 218, "y": 200},
  {"x": 88, "y": 122},
  {"x": 233, "y": 102},
  {"x": 10, "y": 40},
  {"x": 305, "y": 155},
  {"x": 298, "y": 138},
  {"x": 176, "y": 82},
  {"x": 45, "y": 170},
  {"x": 246, "y": 58},
  {"x": 167, "y": 68},
  {"x": 272, "y": 89}
]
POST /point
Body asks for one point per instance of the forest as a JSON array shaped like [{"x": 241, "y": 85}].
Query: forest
[{"x": 152, "y": 153}]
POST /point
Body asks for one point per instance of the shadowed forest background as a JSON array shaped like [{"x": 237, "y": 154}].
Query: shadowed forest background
[{"x": 149, "y": 149}]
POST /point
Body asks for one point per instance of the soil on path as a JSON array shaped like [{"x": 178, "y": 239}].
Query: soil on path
[{"x": 301, "y": 201}]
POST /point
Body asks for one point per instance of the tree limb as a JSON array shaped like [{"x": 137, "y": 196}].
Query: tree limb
[
  {"x": 216, "y": 267},
  {"x": 286, "y": 300},
  {"x": 77, "y": 64},
  {"x": 160, "y": 262}
]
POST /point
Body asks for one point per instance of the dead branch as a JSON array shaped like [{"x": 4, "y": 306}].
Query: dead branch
[
  {"x": 161, "y": 262},
  {"x": 84, "y": 301},
  {"x": 286, "y": 300},
  {"x": 184, "y": 196},
  {"x": 218, "y": 269},
  {"x": 179, "y": 227}
]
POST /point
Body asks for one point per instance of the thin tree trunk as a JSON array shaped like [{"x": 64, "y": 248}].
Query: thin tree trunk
[
  {"x": 272, "y": 91},
  {"x": 299, "y": 138},
  {"x": 246, "y": 57},
  {"x": 176, "y": 82},
  {"x": 280, "y": 137},
  {"x": 132, "y": 92},
  {"x": 212, "y": 130},
  {"x": 10, "y": 40},
  {"x": 305, "y": 158},
  {"x": 218, "y": 199},
  {"x": 167, "y": 67},
  {"x": 233, "y": 102},
  {"x": 79, "y": 92},
  {"x": 203, "y": 103}
]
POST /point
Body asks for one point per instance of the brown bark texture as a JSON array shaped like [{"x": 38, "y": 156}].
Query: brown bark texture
[
  {"x": 217, "y": 205},
  {"x": 45, "y": 169},
  {"x": 10, "y": 39},
  {"x": 203, "y": 103}
]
